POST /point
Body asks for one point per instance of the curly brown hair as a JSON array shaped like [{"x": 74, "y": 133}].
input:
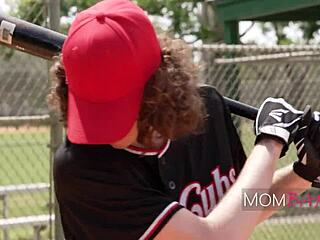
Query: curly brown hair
[{"x": 171, "y": 104}]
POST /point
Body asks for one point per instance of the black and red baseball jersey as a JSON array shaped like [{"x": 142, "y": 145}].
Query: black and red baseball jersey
[{"x": 107, "y": 193}]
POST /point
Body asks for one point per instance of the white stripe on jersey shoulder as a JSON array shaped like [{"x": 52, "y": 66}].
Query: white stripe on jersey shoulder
[
  {"x": 140, "y": 152},
  {"x": 146, "y": 152},
  {"x": 164, "y": 150},
  {"x": 158, "y": 220}
]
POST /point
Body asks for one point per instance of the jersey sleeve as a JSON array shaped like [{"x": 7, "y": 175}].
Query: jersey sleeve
[
  {"x": 216, "y": 106},
  {"x": 110, "y": 199}
]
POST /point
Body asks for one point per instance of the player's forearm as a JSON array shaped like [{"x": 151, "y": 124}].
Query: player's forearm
[
  {"x": 256, "y": 174},
  {"x": 284, "y": 181}
]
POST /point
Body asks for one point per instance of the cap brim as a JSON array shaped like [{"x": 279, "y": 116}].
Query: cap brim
[{"x": 102, "y": 123}]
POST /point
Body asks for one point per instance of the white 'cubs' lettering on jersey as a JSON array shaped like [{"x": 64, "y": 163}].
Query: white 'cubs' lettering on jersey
[{"x": 210, "y": 194}]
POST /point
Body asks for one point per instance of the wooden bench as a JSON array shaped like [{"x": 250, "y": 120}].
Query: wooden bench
[{"x": 38, "y": 222}]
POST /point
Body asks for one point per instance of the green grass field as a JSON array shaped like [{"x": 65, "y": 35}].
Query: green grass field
[
  {"x": 307, "y": 231},
  {"x": 24, "y": 158}
]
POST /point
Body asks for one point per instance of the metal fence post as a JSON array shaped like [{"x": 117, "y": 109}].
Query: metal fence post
[
  {"x": 4, "y": 214},
  {"x": 56, "y": 127},
  {"x": 56, "y": 134}
]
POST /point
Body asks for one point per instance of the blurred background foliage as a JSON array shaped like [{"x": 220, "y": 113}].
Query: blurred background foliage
[{"x": 191, "y": 20}]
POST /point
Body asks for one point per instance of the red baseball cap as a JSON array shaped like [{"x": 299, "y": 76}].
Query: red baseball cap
[{"x": 110, "y": 53}]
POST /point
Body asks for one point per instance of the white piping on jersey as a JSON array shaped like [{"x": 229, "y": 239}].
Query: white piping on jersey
[
  {"x": 164, "y": 149},
  {"x": 151, "y": 153},
  {"x": 158, "y": 220},
  {"x": 140, "y": 152}
]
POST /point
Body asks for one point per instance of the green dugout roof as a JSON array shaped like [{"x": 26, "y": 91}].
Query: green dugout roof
[{"x": 230, "y": 12}]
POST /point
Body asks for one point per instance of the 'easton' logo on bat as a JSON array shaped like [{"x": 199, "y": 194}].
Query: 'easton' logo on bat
[{"x": 209, "y": 195}]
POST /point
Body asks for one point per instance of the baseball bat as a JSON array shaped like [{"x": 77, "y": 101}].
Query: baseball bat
[
  {"x": 30, "y": 38},
  {"x": 45, "y": 43},
  {"x": 241, "y": 109}
]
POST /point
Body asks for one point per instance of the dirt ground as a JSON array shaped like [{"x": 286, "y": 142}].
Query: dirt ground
[{"x": 23, "y": 129}]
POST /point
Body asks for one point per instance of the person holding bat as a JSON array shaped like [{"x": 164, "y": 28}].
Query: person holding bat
[{"x": 151, "y": 155}]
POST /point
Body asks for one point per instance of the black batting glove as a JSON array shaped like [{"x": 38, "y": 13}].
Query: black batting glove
[
  {"x": 307, "y": 142},
  {"x": 277, "y": 119}
]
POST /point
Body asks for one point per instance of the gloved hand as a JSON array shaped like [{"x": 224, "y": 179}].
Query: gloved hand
[
  {"x": 278, "y": 119},
  {"x": 307, "y": 142}
]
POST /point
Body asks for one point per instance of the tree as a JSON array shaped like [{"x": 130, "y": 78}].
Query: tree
[
  {"x": 71, "y": 7},
  {"x": 192, "y": 20},
  {"x": 309, "y": 30},
  {"x": 31, "y": 11}
]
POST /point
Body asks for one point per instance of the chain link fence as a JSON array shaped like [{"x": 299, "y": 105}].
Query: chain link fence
[
  {"x": 246, "y": 73},
  {"x": 250, "y": 74},
  {"x": 25, "y": 189}
]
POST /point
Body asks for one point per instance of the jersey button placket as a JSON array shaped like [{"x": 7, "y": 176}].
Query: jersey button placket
[
  {"x": 163, "y": 161},
  {"x": 172, "y": 185}
]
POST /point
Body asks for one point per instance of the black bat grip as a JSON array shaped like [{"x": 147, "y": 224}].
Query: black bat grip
[{"x": 241, "y": 109}]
